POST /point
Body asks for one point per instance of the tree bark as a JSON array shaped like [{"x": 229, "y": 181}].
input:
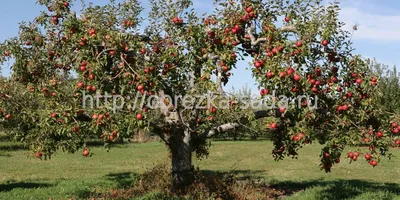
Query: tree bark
[{"x": 182, "y": 169}]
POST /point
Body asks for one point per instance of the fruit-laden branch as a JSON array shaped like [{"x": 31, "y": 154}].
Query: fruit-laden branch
[
  {"x": 230, "y": 126},
  {"x": 255, "y": 41},
  {"x": 220, "y": 129},
  {"x": 290, "y": 28},
  {"x": 215, "y": 58},
  {"x": 219, "y": 80}
]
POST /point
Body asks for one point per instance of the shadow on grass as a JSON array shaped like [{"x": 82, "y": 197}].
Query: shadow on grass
[
  {"x": 2, "y": 154},
  {"x": 13, "y": 147},
  {"x": 4, "y": 137},
  {"x": 327, "y": 189},
  {"x": 23, "y": 185},
  {"x": 239, "y": 175},
  {"x": 124, "y": 179},
  {"x": 338, "y": 189},
  {"x": 243, "y": 139}
]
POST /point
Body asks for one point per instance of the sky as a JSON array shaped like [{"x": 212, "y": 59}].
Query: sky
[{"x": 378, "y": 34}]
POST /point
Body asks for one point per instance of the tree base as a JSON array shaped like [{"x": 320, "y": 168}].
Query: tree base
[{"x": 181, "y": 180}]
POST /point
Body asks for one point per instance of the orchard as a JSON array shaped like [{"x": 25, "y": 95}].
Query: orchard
[{"x": 296, "y": 49}]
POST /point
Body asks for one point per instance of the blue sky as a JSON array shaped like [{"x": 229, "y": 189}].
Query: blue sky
[{"x": 378, "y": 35}]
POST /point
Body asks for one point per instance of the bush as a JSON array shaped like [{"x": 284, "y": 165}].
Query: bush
[{"x": 156, "y": 184}]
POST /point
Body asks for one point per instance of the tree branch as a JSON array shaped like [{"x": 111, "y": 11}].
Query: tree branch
[
  {"x": 289, "y": 28},
  {"x": 158, "y": 130},
  {"x": 255, "y": 41},
  {"x": 219, "y": 79},
  {"x": 126, "y": 62},
  {"x": 220, "y": 129},
  {"x": 209, "y": 56},
  {"x": 229, "y": 126}
]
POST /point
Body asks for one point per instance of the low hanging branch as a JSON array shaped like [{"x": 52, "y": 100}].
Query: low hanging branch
[
  {"x": 230, "y": 126},
  {"x": 255, "y": 41},
  {"x": 220, "y": 129},
  {"x": 290, "y": 28}
]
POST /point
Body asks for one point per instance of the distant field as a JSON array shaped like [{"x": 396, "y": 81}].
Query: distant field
[{"x": 73, "y": 176}]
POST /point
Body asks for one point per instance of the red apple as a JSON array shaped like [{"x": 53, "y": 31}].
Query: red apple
[
  {"x": 350, "y": 154},
  {"x": 39, "y": 154},
  {"x": 112, "y": 137},
  {"x": 314, "y": 89},
  {"x": 53, "y": 115},
  {"x": 326, "y": 155},
  {"x": 290, "y": 71},
  {"x": 269, "y": 74},
  {"x": 85, "y": 152},
  {"x": 249, "y": 9},
  {"x": 299, "y": 43},
  {"x": 257, "y": 64},
  {"x": 296, "y": 77},
  {"x": 282, "y": 74},
  {"x": 280, "y": 48},
  {"x": 345, "y": 107},
  {"x": 379, "y": 134},
  {"x": 273, "y": 126},
  {"x": 213, "y": 109},
  {"x": 79, "y": 84}
]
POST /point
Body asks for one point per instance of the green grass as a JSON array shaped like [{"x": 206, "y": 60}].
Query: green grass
[{"x": 73, "y": 176}]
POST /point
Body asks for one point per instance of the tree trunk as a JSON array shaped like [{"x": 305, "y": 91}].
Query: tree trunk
[{"x": 182, "y": 169}]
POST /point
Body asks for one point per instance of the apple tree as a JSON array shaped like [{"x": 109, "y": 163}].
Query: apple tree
[{"x": 297, "y": 49}]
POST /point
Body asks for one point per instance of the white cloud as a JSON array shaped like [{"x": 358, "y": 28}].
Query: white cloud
[{"x": 371, "y": 26}]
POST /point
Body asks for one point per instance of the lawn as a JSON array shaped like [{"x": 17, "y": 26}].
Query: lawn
[{"x": 73, "y": 176}]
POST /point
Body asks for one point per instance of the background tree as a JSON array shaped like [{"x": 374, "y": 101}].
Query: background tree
[
  {"x": 389, "y": 86},
  {"x": 297, "y": 48}
]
